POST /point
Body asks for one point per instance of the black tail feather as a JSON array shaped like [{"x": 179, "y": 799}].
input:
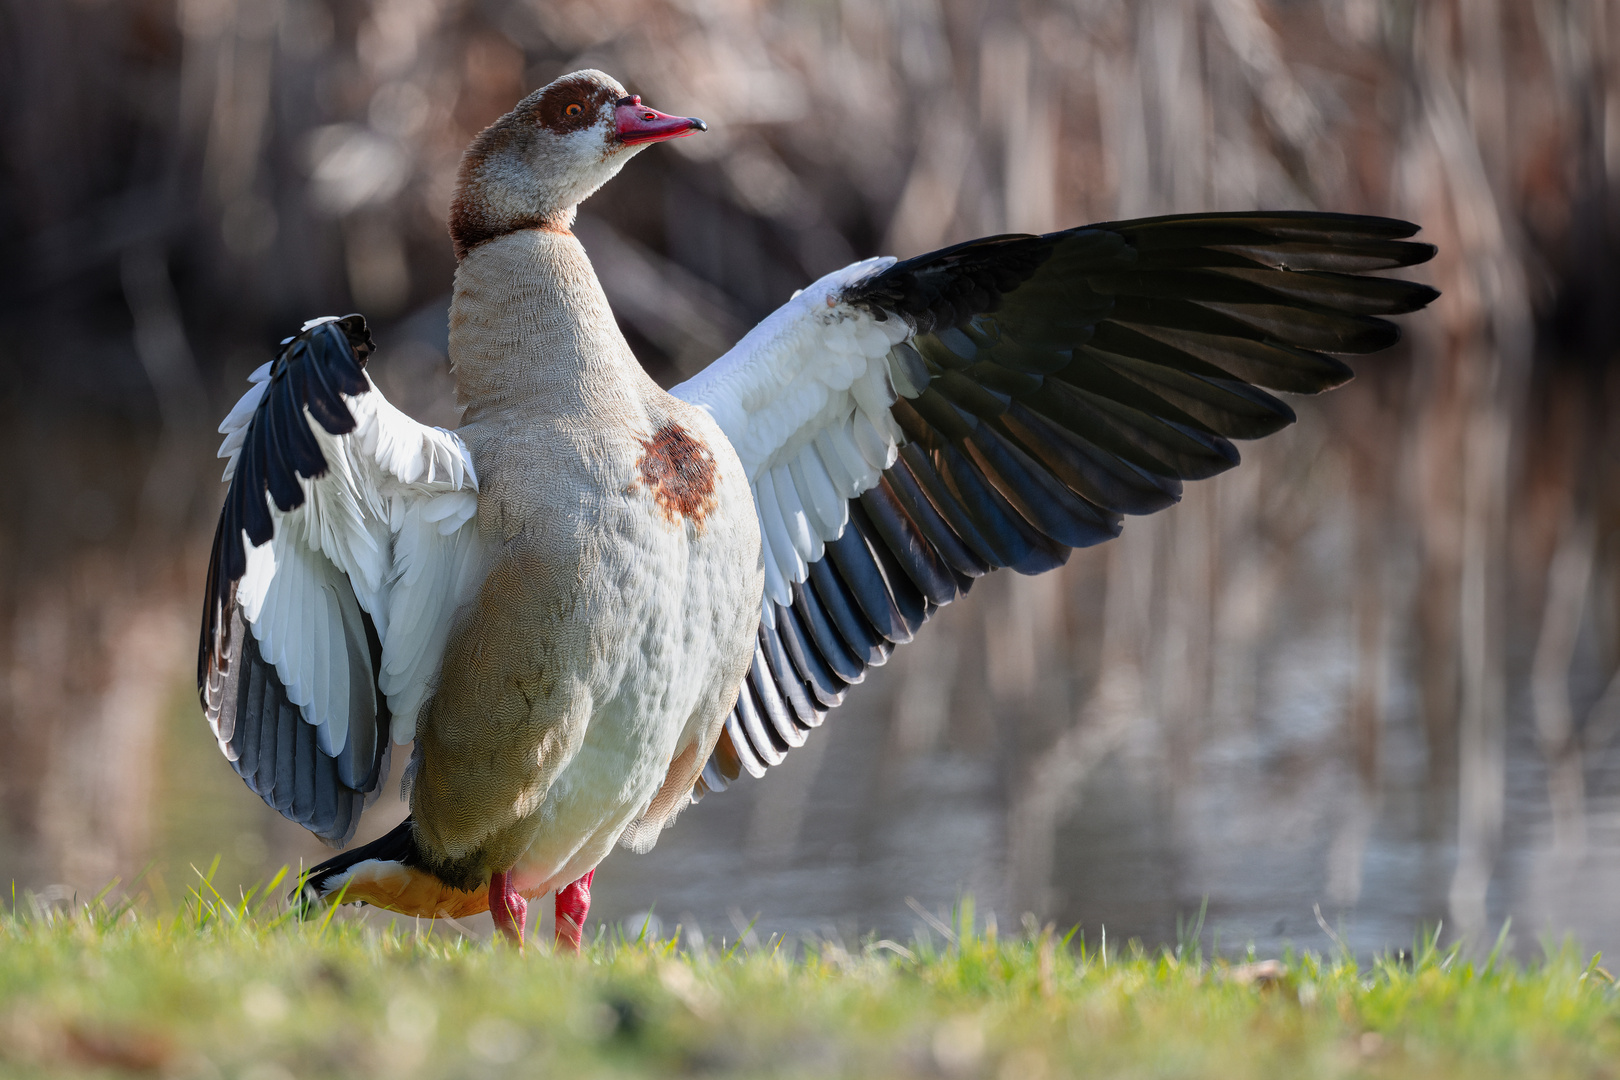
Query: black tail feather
[{"x": 396, "y": 845}]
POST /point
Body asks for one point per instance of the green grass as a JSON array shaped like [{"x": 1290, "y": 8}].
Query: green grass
[{"x": 244, "y": 989}]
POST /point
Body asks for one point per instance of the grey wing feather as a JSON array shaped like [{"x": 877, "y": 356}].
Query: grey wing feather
[{"x": 276, "y": 753}]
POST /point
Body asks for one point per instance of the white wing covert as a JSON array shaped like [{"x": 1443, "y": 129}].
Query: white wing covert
[
  {"x": 910, "y": 426},
  {"x": 342, "y": 549}
]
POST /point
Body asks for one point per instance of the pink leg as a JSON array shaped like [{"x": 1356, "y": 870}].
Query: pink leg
[
  {"x": 573, "y": 902},
  {"x": 507, "y": 908}
]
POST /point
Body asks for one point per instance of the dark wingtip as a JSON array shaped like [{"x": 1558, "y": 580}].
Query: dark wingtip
[
  {"x": 278, "y": 448},
  {"x": 1419, "y": 295},
  {"x": 358, "y": 332}
]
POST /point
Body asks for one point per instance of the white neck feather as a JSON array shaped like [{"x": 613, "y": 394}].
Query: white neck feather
[{"x": 529, "y": 321}]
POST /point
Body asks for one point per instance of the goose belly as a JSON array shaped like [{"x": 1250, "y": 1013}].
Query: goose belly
[
  {"x": 680, "y": 660},
  {"x": 600, "y": 657}
]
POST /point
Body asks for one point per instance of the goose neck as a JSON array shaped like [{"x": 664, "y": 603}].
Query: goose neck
[{"x": 530, "y": 325}]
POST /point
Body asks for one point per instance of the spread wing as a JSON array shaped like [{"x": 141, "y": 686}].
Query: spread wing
[
  {"x": 341, "y": 552},
  {"x": 910, "y": 426}
]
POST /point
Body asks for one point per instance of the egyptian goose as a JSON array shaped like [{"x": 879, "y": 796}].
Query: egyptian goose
[{"x": 597, "y": 601}]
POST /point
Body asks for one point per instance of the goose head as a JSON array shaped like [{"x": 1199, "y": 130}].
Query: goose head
[{"x": 531, "y": 168}]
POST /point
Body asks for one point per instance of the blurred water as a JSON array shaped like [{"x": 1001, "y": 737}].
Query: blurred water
[
  {"x": 1270, "y": 828},
  {"x": 1257, "y": 835}
]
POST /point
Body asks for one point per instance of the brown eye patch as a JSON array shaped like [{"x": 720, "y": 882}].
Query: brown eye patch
[{"x": 571, "y": 104}]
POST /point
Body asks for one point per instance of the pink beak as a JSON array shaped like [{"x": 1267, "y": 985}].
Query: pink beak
[{"x": 639, "y": 124}]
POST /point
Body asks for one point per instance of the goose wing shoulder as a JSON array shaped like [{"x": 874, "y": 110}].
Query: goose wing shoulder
[
  {"x": 345, "y": 542},
  {"x": 910, "y": 426}
]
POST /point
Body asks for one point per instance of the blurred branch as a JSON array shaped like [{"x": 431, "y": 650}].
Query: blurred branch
[
  {"x": 1569, "y": 578},
  {"x": 165, "y": 355}
]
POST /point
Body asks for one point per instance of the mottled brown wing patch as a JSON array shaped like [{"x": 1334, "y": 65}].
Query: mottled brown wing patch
[{"x": 679, "y": 470}]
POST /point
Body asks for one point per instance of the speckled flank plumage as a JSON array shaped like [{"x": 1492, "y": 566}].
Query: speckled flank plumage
[{"x": 608, "y": 639}]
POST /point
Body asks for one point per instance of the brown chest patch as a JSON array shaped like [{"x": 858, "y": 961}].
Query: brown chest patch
[{"x": 679, "y": 471}]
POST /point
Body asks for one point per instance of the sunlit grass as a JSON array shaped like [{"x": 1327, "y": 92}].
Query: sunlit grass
[{"x": 245, "y": 988}]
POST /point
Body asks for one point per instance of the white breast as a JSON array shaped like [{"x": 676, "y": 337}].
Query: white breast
[{"x": 685, "y": 596}]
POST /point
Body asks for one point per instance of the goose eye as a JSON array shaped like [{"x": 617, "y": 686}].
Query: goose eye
[{"x": 574, "y": 110}]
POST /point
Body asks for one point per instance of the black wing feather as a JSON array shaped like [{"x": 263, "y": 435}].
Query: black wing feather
[
  {"x": 859, "y": 635},
  {"x": 833, "y": 650},
  {"x": 261, "y": 732},
  {"x": 1064, "y": 381}
]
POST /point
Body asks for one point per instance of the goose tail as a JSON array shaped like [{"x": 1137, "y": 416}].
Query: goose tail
[{"x": 389, "y": 873}]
